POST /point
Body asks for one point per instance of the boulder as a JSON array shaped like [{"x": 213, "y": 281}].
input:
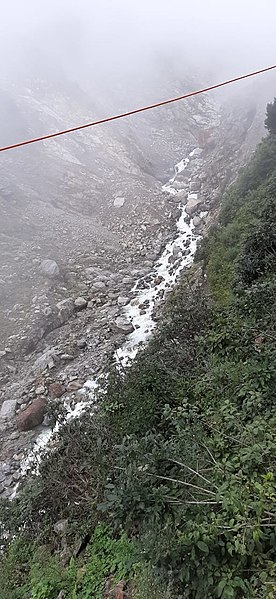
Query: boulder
[
  {"x": 192, "y": 205},
  {"x": 119, "y": 202},
  {"x": 65, "y": 309},
  {"x": 61, "y": 527},
  {"x": 32, "y": 416},
  {"x": 56, "y": 390},
  {"x": 50, "y": 269},
  {"x": 74, "y": 385},
  {"x": 195, "y": 185},
  {"x": 47, "y": 360},
  {"x": 158, "y": 280},
  {"x": 123, "y": 300},
  {"x": 152, "y": 257},
  {"x": 99, "y": 286},
  {"x": 182, "y": 197},
  {"x": 80, "y": 303},
  {"x": 81, "y": 343},
  {"x": 176, "y": 250},
  {"x": 196, "y": 221},
  {"x": 40, "y": 390},
  {"x": 177, "y": 185},
  {"x": 123, "y": 325},
  {"x": 8, "y": 409}
]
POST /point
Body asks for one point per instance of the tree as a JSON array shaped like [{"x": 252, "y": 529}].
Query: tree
[{"x": 270, "y": 121}]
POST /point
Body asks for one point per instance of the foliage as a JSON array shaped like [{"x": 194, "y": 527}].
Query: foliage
[
  {"x": 105, "y": 558},
  {"x": 270, "y": 121}
]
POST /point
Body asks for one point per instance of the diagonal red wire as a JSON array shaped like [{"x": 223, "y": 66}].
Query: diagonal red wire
[{"x": 135, "y": 111}]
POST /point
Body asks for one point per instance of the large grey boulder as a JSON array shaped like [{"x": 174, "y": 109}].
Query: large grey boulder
[
  {"x": 47, "y": 360},
  {"x": 123, "y": 325},
  {"x": 8, "y": 409},
  {"x": 50, "y": 269},
  {"x": 65, "y": 309},
  {"x": 197, "y": 221},
  {"x": 192, "y": 205},
  {"x": 182, "y": 197}
]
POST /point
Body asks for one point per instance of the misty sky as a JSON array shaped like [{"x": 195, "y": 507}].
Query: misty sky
[
  {"x": 235, "y": 32},
  {"x": 122, "y": 40}
]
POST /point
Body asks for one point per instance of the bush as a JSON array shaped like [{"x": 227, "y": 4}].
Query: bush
[{"x": 270, "y": 121}]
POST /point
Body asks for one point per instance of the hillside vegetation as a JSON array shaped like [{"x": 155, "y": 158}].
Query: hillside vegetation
[{"x": 169, "y": 487}]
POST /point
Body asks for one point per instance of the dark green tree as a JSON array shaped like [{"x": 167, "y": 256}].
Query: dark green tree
[{"x": 270, "y": 121}]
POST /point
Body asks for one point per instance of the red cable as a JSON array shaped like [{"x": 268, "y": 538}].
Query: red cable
[{"x": 125, "y": 114}]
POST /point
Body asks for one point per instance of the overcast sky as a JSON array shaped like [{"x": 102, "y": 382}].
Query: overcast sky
[{"x": 120, "y": 38}]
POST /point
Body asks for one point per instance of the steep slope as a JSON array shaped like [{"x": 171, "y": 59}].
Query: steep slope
[{"x": 169, "y": 489}]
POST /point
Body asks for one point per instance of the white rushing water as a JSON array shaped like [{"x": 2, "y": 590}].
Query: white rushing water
[
  {"x": 165, "y": 275},
  {"x": 177, "y": 256}
]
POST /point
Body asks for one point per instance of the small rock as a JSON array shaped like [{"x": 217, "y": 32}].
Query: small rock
[
  {"x": 74, "y": 385},
  {"x": 61, "y": 527},
  {"x": 99, "y": 286},
  {"x": 81, "y": 343},
  {"x": 119, "y": 202},
  {"x": 148, "y": 264},
  {"x": 66, "y": 357},
  {"x": 195, "y": 185},
  {"x": 47, "y": 421},
  {"x": 176, "y": 250},
  {"x": 151, "y": 257},
  {"x": 158, "y": 280},
  {"x": 49, "y": 268},
  {"x": 40, "y": 390},
  {"x": 80, "y": 303}
]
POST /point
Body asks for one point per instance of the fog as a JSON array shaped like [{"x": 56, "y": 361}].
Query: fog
[{"x": 125, "y": 43}]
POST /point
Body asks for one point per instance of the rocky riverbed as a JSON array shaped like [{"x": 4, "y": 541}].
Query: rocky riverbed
[{"x": 127, "y": 317}]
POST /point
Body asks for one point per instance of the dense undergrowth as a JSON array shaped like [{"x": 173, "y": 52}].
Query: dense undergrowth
[{"x": 170, "y": 486}]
